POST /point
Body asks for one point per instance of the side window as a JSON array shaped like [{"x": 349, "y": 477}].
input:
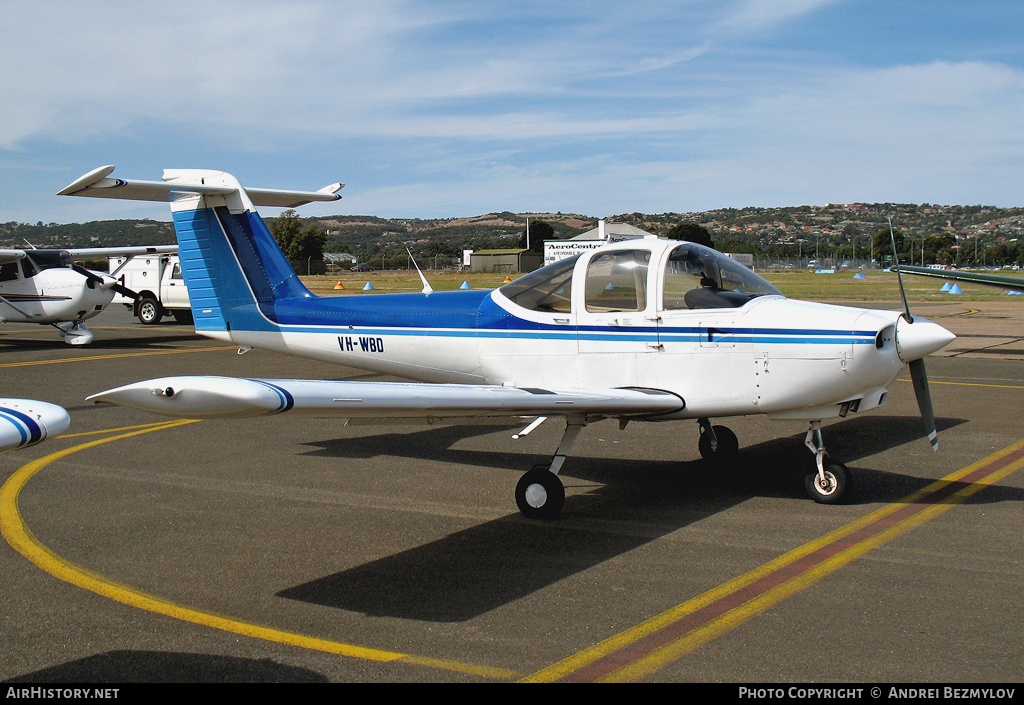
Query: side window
[
  {"x": 617, "y": 281},
  {"x": 684, "y": 272},
  {"x": 8, "y": 271},
  {"x": 176, "y": 271}
]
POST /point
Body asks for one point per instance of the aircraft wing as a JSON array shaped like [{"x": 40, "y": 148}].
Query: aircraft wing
[
  {"x": 98, "y": 184},
  {"x": 229, "y": 397},
  {"x": 8, "y": 255},
  {"x": 1005, "y": 282},
  {"x": 99, "y": 252}
]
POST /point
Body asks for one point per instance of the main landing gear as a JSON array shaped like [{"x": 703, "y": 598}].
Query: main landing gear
[
  {"x": 832, "y": 480},
  {"x": 540, "y": 493}
]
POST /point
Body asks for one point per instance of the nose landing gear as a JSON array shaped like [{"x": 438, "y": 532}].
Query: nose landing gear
[{"x": 831, "y": 483}]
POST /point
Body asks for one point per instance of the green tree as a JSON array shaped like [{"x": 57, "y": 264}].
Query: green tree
[
  {"x": 540, "y": 230},
  {"x": 691, "y": 232},
  {"x": 285, "y": 229},
  {"x": 302, "y": 246},
  {"x": 883, "y": 244}
]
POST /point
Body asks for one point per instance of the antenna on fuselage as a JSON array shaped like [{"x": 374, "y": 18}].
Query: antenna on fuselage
[{"x": 427, "y": 290}]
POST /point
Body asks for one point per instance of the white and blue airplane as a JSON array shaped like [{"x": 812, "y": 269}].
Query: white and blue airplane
[
  {"x": 25, "y": 422},
  {"x": 48, "y": 287},
  {"x": 650, "y": 329}
]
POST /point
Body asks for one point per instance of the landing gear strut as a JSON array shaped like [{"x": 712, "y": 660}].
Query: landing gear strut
[
  {"x": 540, "y": 493},
  {"x": 831, "y": 482},
  {"x": 74, "y": 332}
]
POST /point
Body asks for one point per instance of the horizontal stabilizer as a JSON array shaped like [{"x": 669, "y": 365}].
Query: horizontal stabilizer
[
  {"x": 99, "y": 184},
  {"x": 228, "y": 397}
]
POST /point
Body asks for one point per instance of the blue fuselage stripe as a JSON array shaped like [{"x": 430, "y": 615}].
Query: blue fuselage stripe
[{"x": 30, "y": 431}]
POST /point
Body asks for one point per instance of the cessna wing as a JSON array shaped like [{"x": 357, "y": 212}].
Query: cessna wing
[
  {"x": 1004, "y": 282},
  {"x": 229, "y": 397},
  {"x": 100, "y": 252},
  {"x": 9, "y": 255}
]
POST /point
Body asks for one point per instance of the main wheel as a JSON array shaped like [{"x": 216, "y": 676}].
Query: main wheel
[
  {"x": 150, "y": 311},
  {"x": 834, "y": 487},
  {"x": 540, "y": 494},
  {"x": 728, "y": 445}
]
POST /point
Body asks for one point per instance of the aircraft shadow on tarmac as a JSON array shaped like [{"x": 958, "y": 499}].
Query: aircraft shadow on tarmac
[
  {"x": 479, "y": 569},
  {"x": 99, "y": 346},
  {"x": 168, "y": 667}
]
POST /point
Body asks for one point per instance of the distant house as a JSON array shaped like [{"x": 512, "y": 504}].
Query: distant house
[{"x": 505, "y": 261}]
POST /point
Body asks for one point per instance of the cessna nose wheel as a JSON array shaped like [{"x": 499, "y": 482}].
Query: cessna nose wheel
[{"x": 829, "y": 486}]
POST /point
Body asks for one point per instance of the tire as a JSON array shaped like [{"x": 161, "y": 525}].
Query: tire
[
  {"x": 837, "y": 484},
  {"x": 728, "y": 445},
  {"x": 540, "y": 494},
  {"x": 150, "y": 311},
  {"x": 182, "y": 316}
]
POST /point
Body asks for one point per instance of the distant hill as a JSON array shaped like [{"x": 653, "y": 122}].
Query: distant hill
[
  {"x": 996, "y": 234},
  {"x": 100, "y": 233}
]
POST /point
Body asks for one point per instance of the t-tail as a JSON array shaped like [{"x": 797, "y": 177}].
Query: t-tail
[{"x": 235, "y": 271}]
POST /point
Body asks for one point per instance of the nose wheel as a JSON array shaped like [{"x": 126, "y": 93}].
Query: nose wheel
[{"x": 831, "y": 483}]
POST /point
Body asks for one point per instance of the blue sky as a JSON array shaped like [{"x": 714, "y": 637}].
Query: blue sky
[{"x": 447, "y": 109}]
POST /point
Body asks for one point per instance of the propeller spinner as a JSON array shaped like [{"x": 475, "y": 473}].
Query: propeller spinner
[{"x": 105, "y": 282}]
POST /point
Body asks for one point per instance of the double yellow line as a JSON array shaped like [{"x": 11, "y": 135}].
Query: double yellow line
[{"x": 650, "y": 646}]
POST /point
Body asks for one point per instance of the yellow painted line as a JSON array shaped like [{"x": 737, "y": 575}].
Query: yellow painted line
[
  {"x": 93, "y": 358},
  {"x": 649, "y": 663},
  {"x": 20, "y": 537}
]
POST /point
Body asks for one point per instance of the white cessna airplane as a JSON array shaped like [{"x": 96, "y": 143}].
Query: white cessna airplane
[
  {"x": 649, "y": 329},
  {"x": 49, "y": 288},
  {"x": 25, "y": 422}
]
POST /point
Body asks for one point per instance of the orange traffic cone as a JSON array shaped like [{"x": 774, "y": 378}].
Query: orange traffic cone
[
  {"x": 508, "y": 280},
  {"x": 339, "y": 285}
]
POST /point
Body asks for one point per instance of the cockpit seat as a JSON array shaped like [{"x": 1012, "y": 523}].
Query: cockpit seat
[{"x": 705, "y": 297}]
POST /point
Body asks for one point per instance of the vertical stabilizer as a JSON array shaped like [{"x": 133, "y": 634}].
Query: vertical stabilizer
[{"x": 235, "y": 272}]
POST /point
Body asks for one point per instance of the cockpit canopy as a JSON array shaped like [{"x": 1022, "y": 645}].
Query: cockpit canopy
[
  {"x": 34, "y": 262},
  {"x": 692, "y": 277}
]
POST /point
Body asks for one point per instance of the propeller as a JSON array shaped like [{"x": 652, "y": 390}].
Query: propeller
[
  {"x": 105, "y": 283},
  {"x": 918, "y": 375}
]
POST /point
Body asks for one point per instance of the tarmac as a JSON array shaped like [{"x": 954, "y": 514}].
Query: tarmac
[{"x": 143, "y": 550}]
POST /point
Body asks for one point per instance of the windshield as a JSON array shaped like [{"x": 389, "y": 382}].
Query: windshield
[
  {"x": 545, "y": 289},
  {"x": 699, "y": 277},
  {"x": 38, "y": 260}
]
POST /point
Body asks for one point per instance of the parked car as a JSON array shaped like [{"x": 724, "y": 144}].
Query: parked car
[{"x": 361, "y": 267}]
